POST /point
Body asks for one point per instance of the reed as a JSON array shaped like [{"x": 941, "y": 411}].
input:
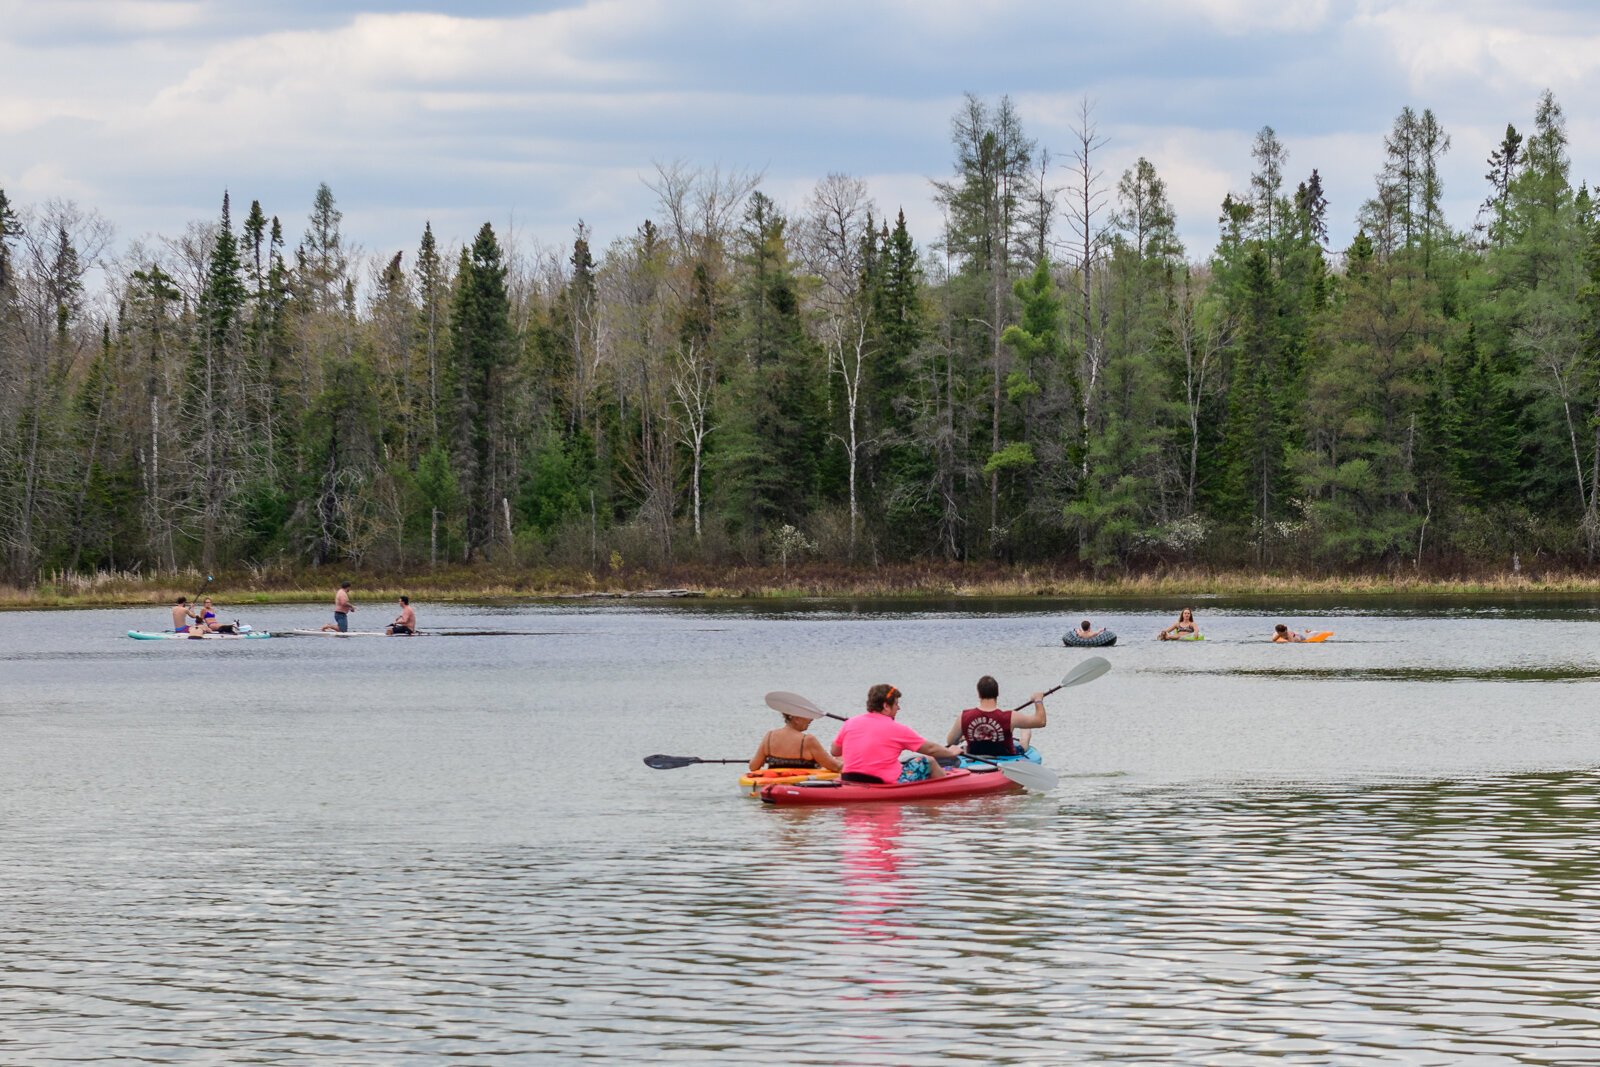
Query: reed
[{"x": 909, "y": 581}]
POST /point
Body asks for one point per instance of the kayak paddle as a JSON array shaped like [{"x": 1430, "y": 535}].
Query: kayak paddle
[
  {"x": 672, "y": 763},
  {"x": 1087, "y": 671},
  {"x": 1028, "y": 775},
  {"x": 798, "y": 706}
]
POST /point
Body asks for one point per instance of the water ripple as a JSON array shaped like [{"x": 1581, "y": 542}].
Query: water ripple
[{"x": 1425, "y": 922}]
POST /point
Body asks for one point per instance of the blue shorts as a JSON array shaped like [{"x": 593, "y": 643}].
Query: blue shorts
[
  {"x": 914, "y": 770},
  {"x": 180, "y": 629},
  {"x": 341, "y": 620}
]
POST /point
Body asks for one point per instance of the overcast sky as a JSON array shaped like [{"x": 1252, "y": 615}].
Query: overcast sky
[{"x": 536, "y": 114}]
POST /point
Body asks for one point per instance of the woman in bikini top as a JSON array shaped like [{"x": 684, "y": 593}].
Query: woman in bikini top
[{"x": 790, "y": 745}]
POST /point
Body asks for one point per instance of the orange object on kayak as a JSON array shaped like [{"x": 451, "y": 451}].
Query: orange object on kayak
[{"x": 755, "y": 781}]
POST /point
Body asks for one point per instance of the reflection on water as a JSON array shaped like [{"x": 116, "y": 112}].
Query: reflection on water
[{"x": 1405, "y": 921}]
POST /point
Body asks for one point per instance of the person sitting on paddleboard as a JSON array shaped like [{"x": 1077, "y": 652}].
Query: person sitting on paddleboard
[
  {"x": 182, "y": 617},
  {"x": 1281, "y": 634},
  {"x": 871, "y": 744},
  {"x": 1184, "y": 627},
  {"x": 405, "y": 624},
  {"x": 791, "y": 746},
  {"x": 209, "y": 622},
  {"x": 990, "y": 730}
]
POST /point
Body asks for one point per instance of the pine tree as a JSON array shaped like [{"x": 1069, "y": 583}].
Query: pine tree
[
  {"x": 433, "y": 292},
  {"x": 10, "y": 230},
  {"x": 1505, "y": 162},
  {"x": 766, "y": 461},
  {"x": 481, "y": 354}
]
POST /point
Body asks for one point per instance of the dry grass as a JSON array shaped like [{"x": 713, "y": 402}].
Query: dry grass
[{"x": 897, "y": 581}]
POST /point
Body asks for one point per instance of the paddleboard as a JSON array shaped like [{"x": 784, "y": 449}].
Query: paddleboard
[
  {"x": 144, "y": 635},
  {"x": 336, "y": 633}
]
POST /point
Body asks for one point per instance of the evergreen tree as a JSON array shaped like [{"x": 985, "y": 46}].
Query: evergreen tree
[
  {"x": 482, "y": 354},
  {"x": 433, "y": 293},
  {"x": 1505, "y": 162},
  {"x": 766, "y": 460},
  {"x": 10, "y": 230}
]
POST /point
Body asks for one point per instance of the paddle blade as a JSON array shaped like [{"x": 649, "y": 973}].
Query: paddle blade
[
  {"x": 669, "y": 763},
  {"x": 794, "y": 704},
  {"x": 1031, "y": 776},
  {"x": 1087, "y": 671}
]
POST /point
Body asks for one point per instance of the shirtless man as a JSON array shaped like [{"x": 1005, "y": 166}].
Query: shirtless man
[
  {"x": 405, "y": 625},
  {"x": 341, "y": 610},
  {"x": 181, "y": 616}
]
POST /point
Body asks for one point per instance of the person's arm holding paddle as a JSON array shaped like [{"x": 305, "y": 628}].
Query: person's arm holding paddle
[
  {"x": 953, "y": 738},
  {"x": 1025, "y": 722},
  {"x": 1031, "y": 720}
]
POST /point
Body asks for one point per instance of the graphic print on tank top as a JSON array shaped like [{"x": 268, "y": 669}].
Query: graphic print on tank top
[{"x": 988, "y": 733}]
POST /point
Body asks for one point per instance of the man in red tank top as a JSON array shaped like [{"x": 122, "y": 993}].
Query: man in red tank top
[{"x": 990, "y": 730}]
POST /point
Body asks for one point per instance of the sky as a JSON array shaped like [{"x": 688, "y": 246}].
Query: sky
[{"x": 533, "y": 115}]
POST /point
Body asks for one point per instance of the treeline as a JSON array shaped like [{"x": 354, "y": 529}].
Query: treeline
[{"x": 1052, "y": 377}]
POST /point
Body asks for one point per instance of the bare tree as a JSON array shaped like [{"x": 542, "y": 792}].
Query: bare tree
[
  {"x": 1086, "y": 202},
  {"x": 1200, "y": 342},
  {"x": 701, "y": 207},
  {"x": 837, "y": 225}
]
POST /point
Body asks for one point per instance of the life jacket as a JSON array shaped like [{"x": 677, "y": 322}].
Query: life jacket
[{"x": 988, "y": 733}]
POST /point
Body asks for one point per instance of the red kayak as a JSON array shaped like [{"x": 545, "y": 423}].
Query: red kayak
[{"x": 954, "y": 784}]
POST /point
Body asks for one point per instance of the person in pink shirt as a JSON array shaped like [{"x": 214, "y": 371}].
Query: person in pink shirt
[{"x": 870, "y": 744}]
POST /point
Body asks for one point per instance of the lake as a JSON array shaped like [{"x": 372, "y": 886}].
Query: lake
[{"x": 1381, "y": 849}]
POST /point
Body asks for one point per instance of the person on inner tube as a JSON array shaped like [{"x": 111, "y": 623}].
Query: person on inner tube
[
  {"x": 990, "y": 730},
  {"x": 1085, "y": 630},
  {"x": 871, "y": 744},
  {"x": 1184, "y": 627},
  {"x": 791, "y": 746}
]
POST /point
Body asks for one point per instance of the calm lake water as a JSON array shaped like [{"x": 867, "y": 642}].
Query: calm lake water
[{"x": 1381, "y": 849}]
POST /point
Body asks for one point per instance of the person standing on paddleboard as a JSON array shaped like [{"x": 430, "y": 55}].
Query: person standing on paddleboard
[
  {"x": 405, "y": 624},
  {"x": 990, "y": 730},
  {"x": 342, "y": 607},
  {"x": 870, "y": 744}
]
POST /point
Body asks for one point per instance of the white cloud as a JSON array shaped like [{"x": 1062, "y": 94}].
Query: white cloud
[
  {"x": 549, "y": 116},
  {"x": 1242, "y": 17},
  {"x": 1504, "y": 47}
]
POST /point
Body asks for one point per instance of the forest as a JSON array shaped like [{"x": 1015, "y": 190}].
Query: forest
[{"x": 1047, "y": 375}]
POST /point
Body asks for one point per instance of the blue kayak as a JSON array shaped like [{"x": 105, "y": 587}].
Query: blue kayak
[{"x": 1030, "y": 756}]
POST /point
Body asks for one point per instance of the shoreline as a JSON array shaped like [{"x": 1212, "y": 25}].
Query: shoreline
[{"x": 905, "y": 582}]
